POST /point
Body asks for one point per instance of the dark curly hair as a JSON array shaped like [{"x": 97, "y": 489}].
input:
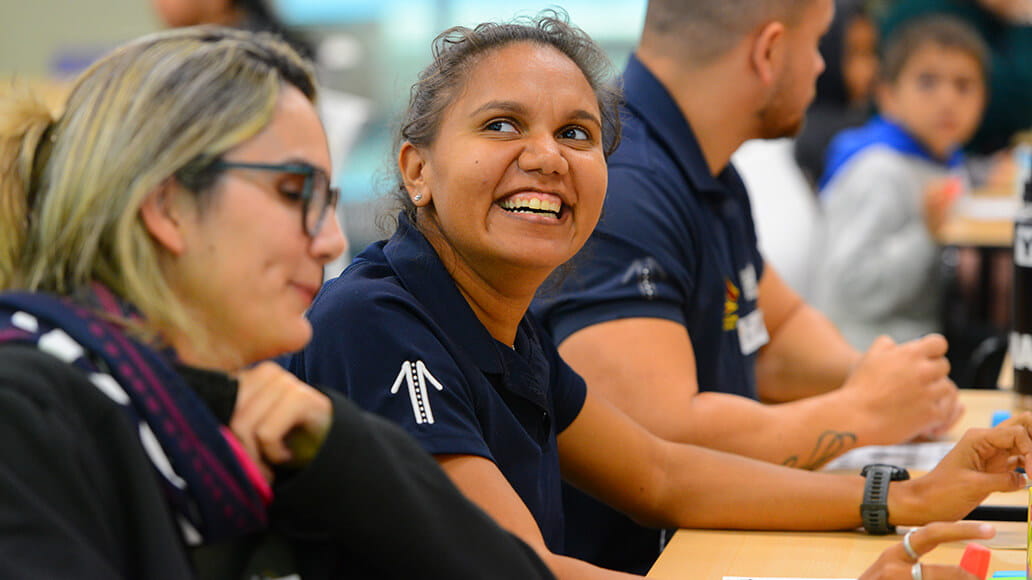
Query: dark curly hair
[{"x": 457, "y": 50}]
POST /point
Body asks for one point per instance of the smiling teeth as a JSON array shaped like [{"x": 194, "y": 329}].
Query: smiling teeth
[{"x": 533, "y": 205}]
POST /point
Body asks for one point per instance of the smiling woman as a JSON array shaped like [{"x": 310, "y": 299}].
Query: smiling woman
[
  {"x": 501, "y": 177},
  {"x": 524, "y": 134}
]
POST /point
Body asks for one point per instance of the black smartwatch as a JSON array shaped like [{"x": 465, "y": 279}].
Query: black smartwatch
[{"x": 874, "y": 511}]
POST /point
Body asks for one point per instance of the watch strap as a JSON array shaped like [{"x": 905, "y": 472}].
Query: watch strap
[{"x": 874, "y": 511}]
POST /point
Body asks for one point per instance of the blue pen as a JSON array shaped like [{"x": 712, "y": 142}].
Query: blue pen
[{"x": 999, "y": 416}]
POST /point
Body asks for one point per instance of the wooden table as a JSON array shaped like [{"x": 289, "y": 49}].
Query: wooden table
[
  {"x": 980, "y": 404},
  {"x": 712, "y": 554},
  {"x": 984, "y": 218},
  {"x": 978, "y": 233}
]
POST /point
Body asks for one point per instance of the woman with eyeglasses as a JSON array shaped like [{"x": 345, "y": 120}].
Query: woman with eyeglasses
[{"x": 158, "y": 240}]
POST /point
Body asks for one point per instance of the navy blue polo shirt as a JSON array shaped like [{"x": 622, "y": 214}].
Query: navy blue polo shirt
[
  {"x": 674, "y": 242},
  {"x": 394, "y": 334}
]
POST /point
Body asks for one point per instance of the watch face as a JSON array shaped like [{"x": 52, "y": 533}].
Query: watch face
[
  {"x": 895, "y": 472},
  {"x": 900, "y": 474}
]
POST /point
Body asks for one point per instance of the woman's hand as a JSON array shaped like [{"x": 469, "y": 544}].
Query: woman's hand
[
  {"x": 982, "y": 462},
  {"x": 895, "y": 563},
  {"x": 280, "y": 420}
]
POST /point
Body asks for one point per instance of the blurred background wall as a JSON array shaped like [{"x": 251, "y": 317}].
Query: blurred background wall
[{"x": 35, "y": 35}]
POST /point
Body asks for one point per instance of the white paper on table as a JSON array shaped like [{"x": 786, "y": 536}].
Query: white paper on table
[
  {"x": 987, "y": 207},
  {"x": 921, "y": 456}
]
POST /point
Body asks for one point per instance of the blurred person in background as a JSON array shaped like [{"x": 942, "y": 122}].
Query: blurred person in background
[
  {"x": 889, "y": 185},
  {"x": 1006, "y": 27},
  {"x": 845, "y": 89},
  {"x": 252, "y": 15}
]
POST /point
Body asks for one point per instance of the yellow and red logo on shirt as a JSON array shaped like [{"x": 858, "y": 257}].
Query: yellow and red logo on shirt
[{"x": 731, "y": 294}]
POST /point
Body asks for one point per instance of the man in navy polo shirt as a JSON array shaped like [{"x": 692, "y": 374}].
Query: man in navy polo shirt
[{"x": 670, "y": 311}]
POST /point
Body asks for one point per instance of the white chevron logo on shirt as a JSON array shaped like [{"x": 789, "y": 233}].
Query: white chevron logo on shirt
[{"x": 416, "y": 375}]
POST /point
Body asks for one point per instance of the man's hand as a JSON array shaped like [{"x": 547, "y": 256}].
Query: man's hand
[
  {"x": 280, "y": 420},
  {"x": 904, "y": 389}
]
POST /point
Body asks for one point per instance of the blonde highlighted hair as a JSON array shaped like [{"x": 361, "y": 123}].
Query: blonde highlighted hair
[{"x": 73, "y": 186}]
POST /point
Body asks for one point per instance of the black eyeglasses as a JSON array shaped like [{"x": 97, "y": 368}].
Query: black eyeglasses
[{"x": 317, "y": 197}]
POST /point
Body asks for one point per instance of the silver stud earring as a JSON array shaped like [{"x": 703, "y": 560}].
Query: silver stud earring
[{"x": 418, "y": 198}]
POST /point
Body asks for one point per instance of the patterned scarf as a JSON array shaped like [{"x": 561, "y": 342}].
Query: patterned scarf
[{"x": 208, "y": 480}]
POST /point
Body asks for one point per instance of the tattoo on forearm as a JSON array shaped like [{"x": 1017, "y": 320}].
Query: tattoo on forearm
[{"x": 830, "y": 444}]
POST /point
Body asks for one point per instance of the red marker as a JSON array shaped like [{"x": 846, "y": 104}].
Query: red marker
[
  {"x": 954, "y": 186},
  {"x": 976, "y": 560}
]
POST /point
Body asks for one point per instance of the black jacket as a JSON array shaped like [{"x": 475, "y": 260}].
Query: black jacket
[{"x": 79, "y": 498}]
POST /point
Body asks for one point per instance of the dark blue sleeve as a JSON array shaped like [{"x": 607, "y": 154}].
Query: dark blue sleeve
[
  {"x": 373, "y": 343},
  {"x": 640, "y": 262},
  {"x": 569, "y": 392}
]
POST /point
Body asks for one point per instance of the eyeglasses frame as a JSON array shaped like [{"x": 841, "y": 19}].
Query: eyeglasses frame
[{"x": 307, "y": 191}]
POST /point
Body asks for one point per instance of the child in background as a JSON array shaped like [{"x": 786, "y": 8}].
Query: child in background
[{"x": 888, "y": 185}]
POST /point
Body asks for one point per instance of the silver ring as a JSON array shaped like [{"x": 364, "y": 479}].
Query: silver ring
[
  {"x": 915, "y": 571},
  {"x": 910, "y": 549}
]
